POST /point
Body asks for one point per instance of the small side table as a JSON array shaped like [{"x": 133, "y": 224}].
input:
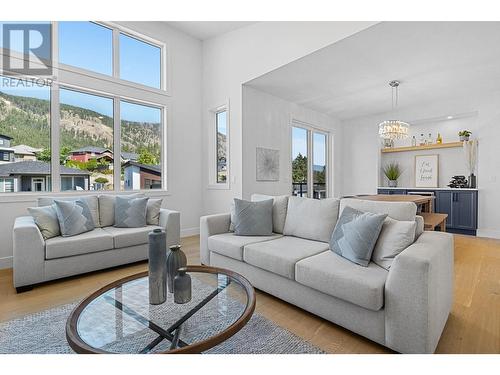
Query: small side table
[{"x": 432, "y": 220}]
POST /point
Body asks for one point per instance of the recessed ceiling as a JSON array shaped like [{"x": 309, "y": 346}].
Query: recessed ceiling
[
  {"x": 433, "y": 60},
  {"x": 203, "y": 30}
]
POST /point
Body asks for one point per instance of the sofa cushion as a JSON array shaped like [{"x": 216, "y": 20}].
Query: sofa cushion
[
  {"x": 280, "y": 205},
  {"x": 395, "y": 210},
  {"x": 313, "y": 219},
  {"x": 333, "y": 275},
  {"x": 91, "y": 201},
  {"x": 230, "y": 245},
  {"x": 88, "y": 242},
  {"x": 125, "y": 237},
  {"x": 107, "y": 208},
  {"x": 280, "y": 255},
  {"x": 395, "y": 236},
  {"x": 46, "y": 219}
]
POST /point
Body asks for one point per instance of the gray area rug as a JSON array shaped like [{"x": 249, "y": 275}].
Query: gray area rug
[{"x": 44, "y": 333}]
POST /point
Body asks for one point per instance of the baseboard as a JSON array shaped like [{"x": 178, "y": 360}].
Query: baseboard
[
  {"x": 491, "y": 233},
  {"x": 6, "y": 262},
  {"x": 186, "y": 232}
]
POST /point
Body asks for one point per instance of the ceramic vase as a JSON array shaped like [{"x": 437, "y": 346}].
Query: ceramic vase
[
  {"x": 393, "y": 183},
  {"x": 182, "y": 287},
  {"x": 157, "y": 264},
  {"x": 175, "y": 259}
]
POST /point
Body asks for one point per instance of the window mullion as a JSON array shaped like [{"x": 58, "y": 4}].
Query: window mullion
[
  {"x": 55, "y": 138},
  {"x": 116, "y": 53},
  {"x": 117, "y": 152}
]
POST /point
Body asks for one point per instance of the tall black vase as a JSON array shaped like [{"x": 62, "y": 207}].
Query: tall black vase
[
  {"x": 175, "y": 259},
  {"x": 472, "y": 181}
]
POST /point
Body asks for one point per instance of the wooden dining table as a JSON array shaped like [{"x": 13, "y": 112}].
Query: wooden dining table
[{"x": 425, "y": 201}]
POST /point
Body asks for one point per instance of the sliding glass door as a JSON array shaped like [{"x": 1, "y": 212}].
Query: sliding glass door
[{"x": 309, "y": 162}]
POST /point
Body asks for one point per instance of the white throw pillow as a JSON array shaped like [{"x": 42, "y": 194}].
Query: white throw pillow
[
  {"x": 46, "y": 220},
  {"x": 395, "y": 236},
  {"x": 312, "y": 219},
  {"x": 153, "y": 211},
  {"x": 280, "y": 205}
]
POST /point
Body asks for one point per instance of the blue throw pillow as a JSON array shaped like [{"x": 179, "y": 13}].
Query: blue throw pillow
[
  {"x": 356, "y": 234},
  {"x": 74, "y": 217},
  {"x": 131, "y": 211},
  {"x": 253, "y": 218}
]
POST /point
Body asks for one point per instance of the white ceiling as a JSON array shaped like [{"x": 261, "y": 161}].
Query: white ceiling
[
  {"x": 433, "y": 60},
  {"x": 203, "y": 30}
]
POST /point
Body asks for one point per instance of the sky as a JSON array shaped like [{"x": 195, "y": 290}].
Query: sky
[
  {"x": 89, "y": 46},
  {"x": 299, "y": 145}
]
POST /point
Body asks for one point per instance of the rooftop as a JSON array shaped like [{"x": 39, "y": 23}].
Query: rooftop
[
  {"x": 92, "y": 149},
  {"x": 153, "y": 168},
  {"x": 36, "y": 168}
]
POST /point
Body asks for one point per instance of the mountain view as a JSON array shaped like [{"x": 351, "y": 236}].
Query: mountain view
[{"x": 26, "y": 120}]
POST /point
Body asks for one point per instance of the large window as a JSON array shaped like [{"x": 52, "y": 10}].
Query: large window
[
  {"x": 141, "y": 135},
  {"x": 86, "y": 141},
  {"x": 221, "y": 146},
  {"x": 110, "y": 131},
  {"x": 140, "y": 62},
  {"x": 24, "y": 135},
  {"x": 86, "y": 45},
  {"x": 309, "y": 162}
]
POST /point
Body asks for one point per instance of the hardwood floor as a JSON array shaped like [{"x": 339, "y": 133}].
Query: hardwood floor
[{"x": 473, "y": 326}]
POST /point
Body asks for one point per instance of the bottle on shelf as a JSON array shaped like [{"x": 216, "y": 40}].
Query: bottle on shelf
[
  {"x": 414, "y": 141},
  {"x": 422, "y": 140},
  {"x": 439, "y": 139},
  {"x": 429, "y": 140}
]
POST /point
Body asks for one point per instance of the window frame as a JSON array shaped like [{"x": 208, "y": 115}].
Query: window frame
[
  {"x": 311, "y": 129},
  {"x": 89, "y": 82},
  {"x": 212, "y": 148}
]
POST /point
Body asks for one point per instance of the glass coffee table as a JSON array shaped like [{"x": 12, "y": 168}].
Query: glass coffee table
[{"x": 119, "y": 319}]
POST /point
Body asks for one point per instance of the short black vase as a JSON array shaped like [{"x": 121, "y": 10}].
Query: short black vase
[{"x": 182, "y": 287}]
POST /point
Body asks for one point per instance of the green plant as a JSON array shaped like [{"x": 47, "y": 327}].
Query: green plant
[
  {"x": 464, "y": 133},
  {"x": 392, "y": 171},
  {"x": 101, "y": 180}
]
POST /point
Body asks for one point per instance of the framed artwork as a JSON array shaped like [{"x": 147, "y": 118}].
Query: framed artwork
[
  {"x": 268, "y": 164},
  {"x": 426, "y": 171}
]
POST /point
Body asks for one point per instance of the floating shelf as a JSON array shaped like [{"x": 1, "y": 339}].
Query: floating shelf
[{"x": 419, "y": 148}]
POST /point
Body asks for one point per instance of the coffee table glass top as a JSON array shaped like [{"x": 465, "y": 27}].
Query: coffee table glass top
[{"x": 119, "y": 319}]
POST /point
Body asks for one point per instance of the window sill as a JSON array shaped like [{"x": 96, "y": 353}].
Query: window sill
[{"x": 219, "y": 187}]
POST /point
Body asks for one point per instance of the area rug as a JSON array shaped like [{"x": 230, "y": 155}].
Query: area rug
[{"x": 44, "y": 333}]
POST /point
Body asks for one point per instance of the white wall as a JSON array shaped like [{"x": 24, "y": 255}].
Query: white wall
[
  {"x": 362, "y": 161},
  {"x": 184, "y": 138},
  {"x": 234, "y": 58},
  {"x": 267, "y": 123}
]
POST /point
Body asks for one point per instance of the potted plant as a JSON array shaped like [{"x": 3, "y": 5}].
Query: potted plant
[
  {"x": 464, "y": 135},
  {"x": 392, "y": 171}
]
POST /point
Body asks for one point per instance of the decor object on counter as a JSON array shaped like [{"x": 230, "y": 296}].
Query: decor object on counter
[
  {"x": 470, "y": 152},
  {"x": 394, "y": 129},
  {"x": 426, "y": 170},
  {"x": 458, "y": 182},
  {"x": 422, "y": 140},
  {"x": 175, "y": 259},
  {"x": 268, "y": 164},
  {"x": 388, "y": 143},
  {"x": 439, "y": 139},
  {"x": 392, "y": 171},
  {"x": 414, "y": 141},
  {"x": 157, "y": 255},
  {"x": 464, "y": 135},
  {"x": 182, "y": 287},
  {"x": 429, "y": 140}
]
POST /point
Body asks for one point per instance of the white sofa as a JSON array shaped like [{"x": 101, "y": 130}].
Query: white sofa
[
  {"x": 405, "y": 308},
  {"x": 37, "y": 260}
]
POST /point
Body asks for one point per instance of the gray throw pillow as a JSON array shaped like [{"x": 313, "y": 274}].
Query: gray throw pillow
[
  {"x": 153, "y": 211},
  {"x": 130, "y": 212},
  {"x": 253, "y": 218},
  {"x": 46, "y": 220},
  {"x": 74, "y": 217},
  {"x": 355, "y": 235}
]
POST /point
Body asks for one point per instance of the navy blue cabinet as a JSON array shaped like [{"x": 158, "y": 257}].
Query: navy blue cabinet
[
  {"x": 461, "y": 207},
  {"x": 391, "y": 191}
]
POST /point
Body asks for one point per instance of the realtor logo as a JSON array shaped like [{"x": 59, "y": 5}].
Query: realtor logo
[{"x": 27, "y": 49}]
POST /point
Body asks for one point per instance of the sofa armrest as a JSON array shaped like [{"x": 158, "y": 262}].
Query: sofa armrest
[
  {"x": 419, "y": 294},
  {"x": 28, "y": 252},
  {"x": 171, "y": 221},
  {"x": 209, "y": 226}
]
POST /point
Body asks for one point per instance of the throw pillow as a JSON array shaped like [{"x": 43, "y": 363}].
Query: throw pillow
[
  {"x": 74, "y": 217},
  {"x": 355, "y": 235},
  {"x": 130, "y": 212},
  {"x": 394, "y": 237},
  {"x": 253, "y": 218},
  {"x": 91, "y": 201},
  {"x": 107, "y": 208},
  {"x": 46, "y": 220},
  {"x": 153, "y": 211},
  {"x": 280, "y": 205}
]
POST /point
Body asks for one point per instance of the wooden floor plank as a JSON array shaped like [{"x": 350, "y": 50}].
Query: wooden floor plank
[{"x": 473, "y": 325}]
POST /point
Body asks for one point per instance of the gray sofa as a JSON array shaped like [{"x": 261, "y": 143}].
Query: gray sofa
[
  {"x": 404, "y": 308},
  {"x": 37, "y": 260}
]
